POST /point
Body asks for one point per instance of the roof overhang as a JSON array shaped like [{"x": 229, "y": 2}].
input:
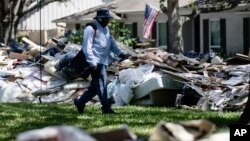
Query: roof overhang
[{"x": 121, "y": 7}]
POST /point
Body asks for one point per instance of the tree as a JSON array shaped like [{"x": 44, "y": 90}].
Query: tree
[
  {"x": 205, "y": 6},
  {"x": 12, "y": 11},
  {"x": 171, "y": 8}
]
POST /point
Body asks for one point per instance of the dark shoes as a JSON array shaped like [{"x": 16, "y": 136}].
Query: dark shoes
[
  {"x": 80, "y": 108},
  {"x": 108, "y": 111}
]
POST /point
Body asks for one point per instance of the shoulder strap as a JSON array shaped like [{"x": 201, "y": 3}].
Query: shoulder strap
[{"x": 94, "y": 27}]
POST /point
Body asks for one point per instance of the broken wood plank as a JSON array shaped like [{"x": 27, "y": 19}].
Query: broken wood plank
[
  {"x": 184, "y": 68},
  {"x": 162, "y": 65},
  {"x": 45, "y": 92},
  {"x": 177, "y": 76},
  {"x": 242, "y": 55},
  {"x": 32, "y": 44}
]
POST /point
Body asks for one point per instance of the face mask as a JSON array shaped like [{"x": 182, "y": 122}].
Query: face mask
[{"x": 103, "y": 21}]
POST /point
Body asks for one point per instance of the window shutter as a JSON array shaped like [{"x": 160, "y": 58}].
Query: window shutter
[
  {"x": 246, "y": 35},
  {"x": 205, "y": 35},
  {"x": 154, "y": 33},
  {"x": 1, "y": 35},
  {"x": 223, "y": 35},
  {"x": 134, "y": 30},
  {"x": 167, "y": 24},
  {"x": 197, "y": 34}
]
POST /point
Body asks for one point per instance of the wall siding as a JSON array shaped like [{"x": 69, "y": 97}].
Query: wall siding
[{"x": 54, "y": 11}]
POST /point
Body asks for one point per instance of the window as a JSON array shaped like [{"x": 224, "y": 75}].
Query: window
[
  {"x": 215, "y": 37},
  {"x": 162, "y": 34}
]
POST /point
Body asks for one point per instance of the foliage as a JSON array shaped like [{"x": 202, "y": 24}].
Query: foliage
[
  {"x": 75, "y": 36},
  {"x": 118, "y": 31},
  {"x": 121, "y": 33},
  {"x": 20, "y": 117}
]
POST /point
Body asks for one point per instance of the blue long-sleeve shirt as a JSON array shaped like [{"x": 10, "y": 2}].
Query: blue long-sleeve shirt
[{"x": 98, "y": 51}]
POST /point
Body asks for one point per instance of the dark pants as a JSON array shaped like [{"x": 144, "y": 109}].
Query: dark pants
[{"x": 98, "y": 86}]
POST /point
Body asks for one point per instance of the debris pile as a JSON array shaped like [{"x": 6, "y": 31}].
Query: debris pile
[
  {"x": 27, "y": 74},
  {"x": 208, "y": 85}
]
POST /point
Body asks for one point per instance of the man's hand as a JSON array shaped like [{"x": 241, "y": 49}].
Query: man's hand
[{"x": 93, "y": 69}]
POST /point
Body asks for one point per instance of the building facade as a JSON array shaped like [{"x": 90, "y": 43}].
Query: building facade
[
  {"x": 225, "y": 32},
  {"x": 41, "y": 19}
]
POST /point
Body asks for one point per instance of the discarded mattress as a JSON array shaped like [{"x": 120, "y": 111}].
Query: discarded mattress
[{"x": 155, "y": 83}]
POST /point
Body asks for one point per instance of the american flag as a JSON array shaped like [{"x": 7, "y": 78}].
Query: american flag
[{"x": 149, "y": 17}]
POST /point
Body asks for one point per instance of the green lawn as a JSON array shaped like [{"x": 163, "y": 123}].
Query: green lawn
[{"x": 19, "y": 117}]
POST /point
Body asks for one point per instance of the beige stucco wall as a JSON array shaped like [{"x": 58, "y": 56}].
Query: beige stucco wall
[
  {"x": 34, "y": 35},
  {"x": 234, "y": 30}
]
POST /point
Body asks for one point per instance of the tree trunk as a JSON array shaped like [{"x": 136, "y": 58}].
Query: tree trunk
[
  {"x": 11, "y": 11},
  {"x": 10, "y": 19},
  {"x": 175, "y": 27},
  {"x": 171, "y": 8},
  {"x": 1, "y": 23}
]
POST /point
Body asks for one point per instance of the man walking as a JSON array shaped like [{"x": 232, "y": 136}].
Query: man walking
[{"x": 97, "y": 45}]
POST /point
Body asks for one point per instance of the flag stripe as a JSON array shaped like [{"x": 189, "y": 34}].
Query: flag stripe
[
  {"x": 149, "y": 18},
  {"x": 150, "y": 25}
]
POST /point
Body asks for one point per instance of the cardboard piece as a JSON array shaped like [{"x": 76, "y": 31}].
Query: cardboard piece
[
  {"x": 20, "y": 56},
  {"x": 114, "y": 135}
]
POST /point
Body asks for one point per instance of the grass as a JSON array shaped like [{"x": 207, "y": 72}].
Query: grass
[{"x": 19, "y": 117}]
